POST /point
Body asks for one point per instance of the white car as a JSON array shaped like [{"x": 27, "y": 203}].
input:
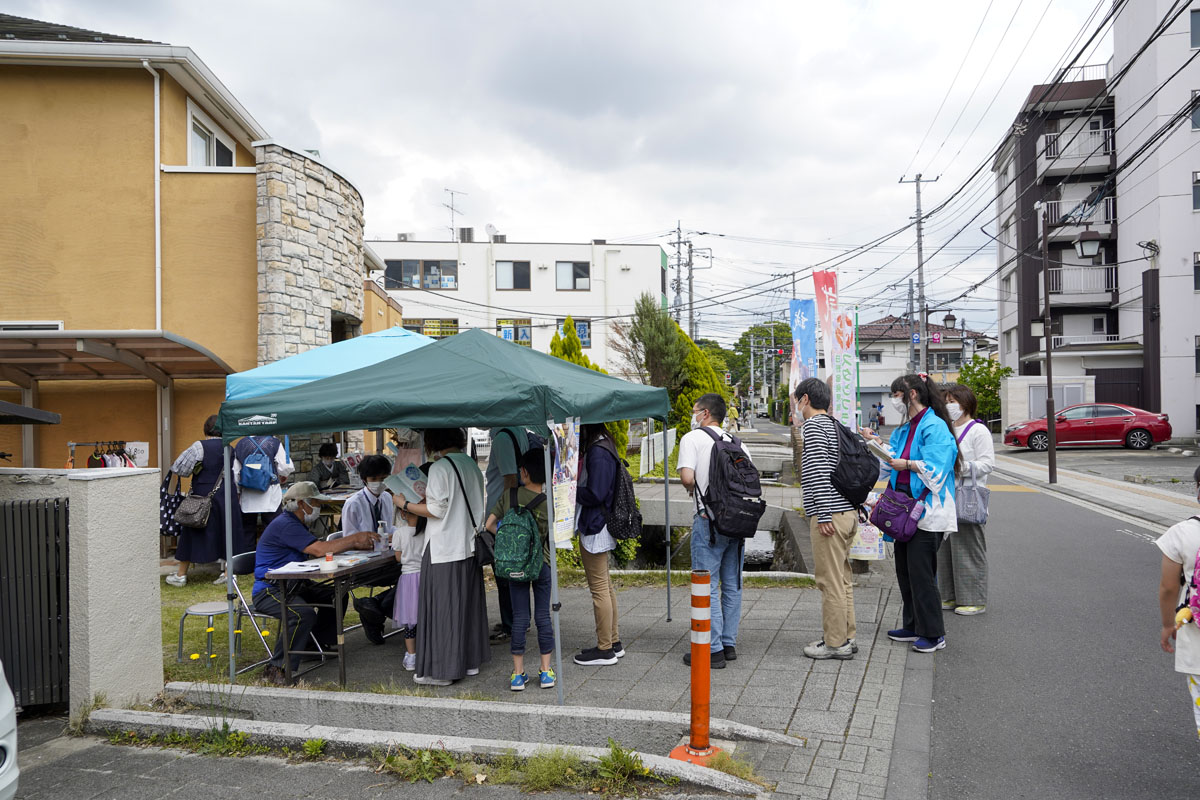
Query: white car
[
  {"x": 479, "y": 445},
  {"x": 8, "y": 741}
]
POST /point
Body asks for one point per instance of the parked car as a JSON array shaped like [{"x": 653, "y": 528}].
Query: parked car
[
  {"x": 479, "y": 444},
  {"x": 8, "y": 740},
  {"x": 1093, "y": 424}
]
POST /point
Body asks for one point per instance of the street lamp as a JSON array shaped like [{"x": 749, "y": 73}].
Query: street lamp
[
  {"x": 949, "y": 320},
  {"x": 1087, "y": 244}
]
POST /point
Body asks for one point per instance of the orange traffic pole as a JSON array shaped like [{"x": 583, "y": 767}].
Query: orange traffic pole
[{"x": 698, "y": 750}]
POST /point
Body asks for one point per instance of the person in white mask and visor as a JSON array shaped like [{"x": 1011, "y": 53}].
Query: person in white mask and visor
[{"x": 371, "y": 509}]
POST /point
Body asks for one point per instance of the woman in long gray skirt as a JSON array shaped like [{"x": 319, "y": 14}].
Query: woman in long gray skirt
[
  {"x": 962, "y": 559},
  {"x": 452, "y": 634}
]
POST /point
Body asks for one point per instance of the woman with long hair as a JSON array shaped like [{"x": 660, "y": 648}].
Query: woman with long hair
[
  {"x": 962, "y": 560},
  {"x": 923, "y": 466},
  {"x": 452, "y": 635},
  {"x": 597, "y": 482}
]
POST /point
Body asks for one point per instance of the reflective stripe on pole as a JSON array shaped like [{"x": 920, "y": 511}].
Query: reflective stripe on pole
[{"x": 698, "y": 749}]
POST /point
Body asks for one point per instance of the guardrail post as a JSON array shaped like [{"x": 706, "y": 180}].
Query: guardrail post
[{"x": 698, "y": 749}]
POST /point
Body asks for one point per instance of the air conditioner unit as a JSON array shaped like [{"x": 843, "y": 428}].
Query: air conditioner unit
[
  {"x": 466, "y": 234},
  {"x": 405, "y": 237},
  {"x": 500, "y": 238}
]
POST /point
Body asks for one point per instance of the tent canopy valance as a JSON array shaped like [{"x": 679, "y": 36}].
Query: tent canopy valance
[
  {"x": 323, "y": 362},
  {"x": 470, "y": 379}
]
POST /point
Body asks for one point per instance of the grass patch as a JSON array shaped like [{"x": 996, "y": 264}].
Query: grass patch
[
  {"x": 216, "y": 741},
  {"x": 553, "y": 769},
  {"x": 619, "y": 771},
  {"x": 313, "y": 748},
  {"x": 420, "y": 765},
  {"x": 738, "y": 768},
  {"x": 84, "y": 713}
]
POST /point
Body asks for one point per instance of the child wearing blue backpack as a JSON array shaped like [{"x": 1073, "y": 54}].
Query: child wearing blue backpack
[{"x": 530, "y": 499}]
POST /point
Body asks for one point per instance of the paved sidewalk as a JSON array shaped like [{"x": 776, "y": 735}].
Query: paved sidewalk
[{"x": 1158, "y": 508}]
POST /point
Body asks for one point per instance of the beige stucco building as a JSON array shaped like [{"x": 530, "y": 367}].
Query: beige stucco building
[{"x": 155, "y": 238}]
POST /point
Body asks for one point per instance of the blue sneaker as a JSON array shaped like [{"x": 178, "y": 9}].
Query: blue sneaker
[
  {"x": 923, "y": 645},
  {"x": 902, "y": 635},
  {"x": 517, "y": 682},
  {"x": 547, "y": 679}
]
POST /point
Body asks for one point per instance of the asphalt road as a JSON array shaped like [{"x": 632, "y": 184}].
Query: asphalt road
[{"x": 1060, "y": 690}]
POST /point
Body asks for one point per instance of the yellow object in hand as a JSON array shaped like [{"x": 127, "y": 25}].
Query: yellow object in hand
[{"x": 1182, "y": 617}]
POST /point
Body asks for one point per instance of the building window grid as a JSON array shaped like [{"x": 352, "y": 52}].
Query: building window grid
[
  {"x": 572, "y": 276},
  {"x": 1198, "y": 355},
  {"x": 513, "y": 276},
  {"x": 433, "y": 328},
  {"x": 583, "y": 327},
  {"x": 1195, "y": 20},
  {"x": 409, "y": 273},
  {"x": 870, "y": 358},
  {"x": 1196, "y": 191}
]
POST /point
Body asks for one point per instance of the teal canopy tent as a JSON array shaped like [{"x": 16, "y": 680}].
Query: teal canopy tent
[{"x": 470, "y": 379}]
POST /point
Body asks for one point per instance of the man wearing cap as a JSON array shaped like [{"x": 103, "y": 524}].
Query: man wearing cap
[{"x": 285, "y": 540}]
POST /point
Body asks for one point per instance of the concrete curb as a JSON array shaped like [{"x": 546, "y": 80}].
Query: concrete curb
[
  {"x": 576, "y": 725},
  {"x": 354, "y": 741},
  {"x": 1154, "y": 521},
  {"x": 909, "y": 770}
]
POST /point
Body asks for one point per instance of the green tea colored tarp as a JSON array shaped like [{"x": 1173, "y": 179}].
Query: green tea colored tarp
[{"x": 471, "y": 379}]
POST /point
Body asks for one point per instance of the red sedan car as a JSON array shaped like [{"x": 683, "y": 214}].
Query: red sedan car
[{"x": 1093, "y": 424}]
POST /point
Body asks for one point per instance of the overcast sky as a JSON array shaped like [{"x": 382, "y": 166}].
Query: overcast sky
[{"x": 567, "y": 121}]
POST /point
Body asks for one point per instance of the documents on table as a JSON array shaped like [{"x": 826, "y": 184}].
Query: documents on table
[
  {"x": 346, "y": 558},
  {"x": 298, "y": 568}
]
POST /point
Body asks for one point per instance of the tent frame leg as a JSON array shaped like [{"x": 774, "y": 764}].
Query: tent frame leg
[{"x": 555, "y": 605}]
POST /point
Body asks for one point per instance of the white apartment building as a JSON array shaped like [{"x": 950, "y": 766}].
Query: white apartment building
[
  {"x": 522, "y": 291},
  {"x": 1160, "y": 201}
]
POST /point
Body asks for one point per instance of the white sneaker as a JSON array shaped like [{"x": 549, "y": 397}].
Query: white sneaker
[
  {"x": 821, "y": 651},
  {"x": 472, "y": 672},
  {"x": 421, "y": 679},
  {"x": 220, "y": 579},
  {"x": 410, "y": 661},
  {"x": 177, "y": 580}
]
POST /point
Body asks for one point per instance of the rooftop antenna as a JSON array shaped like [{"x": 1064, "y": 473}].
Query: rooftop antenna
[{"x": 454, "y": 211}]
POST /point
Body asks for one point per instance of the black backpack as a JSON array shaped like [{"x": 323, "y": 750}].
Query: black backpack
[
  {"x": 623, "y": 518},
  {"x": 857, "y": 468},
  {"x": 733, "y": 502}
]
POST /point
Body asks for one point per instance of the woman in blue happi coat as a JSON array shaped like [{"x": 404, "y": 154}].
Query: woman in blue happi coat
[{"x": 927, "y": 473}]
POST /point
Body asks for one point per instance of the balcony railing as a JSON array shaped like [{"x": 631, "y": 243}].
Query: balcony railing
[
  {"x": 1084, "y": 144},
  {"x": 1086, "y": 72},
  {"x": 1099, "y": 338},
  {"x": 1056, "y": 208},
  {"x": 1083, "y": 280}
]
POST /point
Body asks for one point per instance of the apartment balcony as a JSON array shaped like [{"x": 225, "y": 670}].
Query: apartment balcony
[
  {"x": 1083, "y": 286},
  {"x": 1102, "y": 220},
  {"x": 1059, "y": 342},
  {"x": 1075, "y": 153}
]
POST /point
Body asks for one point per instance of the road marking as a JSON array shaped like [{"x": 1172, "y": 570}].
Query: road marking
[{"x": 1146, "y": 537}]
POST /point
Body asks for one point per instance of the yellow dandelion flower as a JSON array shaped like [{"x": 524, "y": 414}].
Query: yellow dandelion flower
[{"x": 195, "y": 656}]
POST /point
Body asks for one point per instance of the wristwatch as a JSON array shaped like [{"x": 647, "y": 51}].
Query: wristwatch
[{"x": 405, "y": 506}]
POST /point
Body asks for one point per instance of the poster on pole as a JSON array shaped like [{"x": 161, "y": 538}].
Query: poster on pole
[
  {"x": 804, "y": 345},
  {"x": 565, "y": 479},
  {"x": 845, "y": 369},
  {"x": 825, "y": 284}
]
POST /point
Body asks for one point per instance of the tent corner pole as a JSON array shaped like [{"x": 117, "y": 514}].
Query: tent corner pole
[
  {"x": 229, "y": 554},
  {"x": 554, "y": 604},
  {"x": 667, "y": 511}
]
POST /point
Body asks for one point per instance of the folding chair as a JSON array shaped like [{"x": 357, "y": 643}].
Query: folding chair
[{"x": 243, "y": 564}]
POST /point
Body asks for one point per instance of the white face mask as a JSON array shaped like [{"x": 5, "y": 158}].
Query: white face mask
[
  {"x": 696, "y": 424},
  {"x": 327, "y": 462},
  {"x": 900, "y": 406},
  {"x": 311, "y": 516},
  {"x": 375, "y": 487},
  {"x": 954, "y": 410}
]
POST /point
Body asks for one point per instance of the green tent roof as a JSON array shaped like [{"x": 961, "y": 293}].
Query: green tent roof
[{"x": 471, "y": 379}]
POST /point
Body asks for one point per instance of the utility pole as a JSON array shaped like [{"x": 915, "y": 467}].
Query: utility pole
[
  {"x": 691, "y": 297},
  {"x": 753, "y": 398},
  {"x": 454, "y": 211},
  {"x": 774, "y": 360},
  {"x": 924, "y": 366},
  {"x": 678, "y": 265},
  {"x": 912, "y": 347},
  {"x": 786, "y": 275},
  {"x": 1051, "y": 451}
]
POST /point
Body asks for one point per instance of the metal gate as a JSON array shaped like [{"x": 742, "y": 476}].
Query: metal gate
[
  {"x": 34, "y": 641},
  {"x": 1121, "y": 385}
]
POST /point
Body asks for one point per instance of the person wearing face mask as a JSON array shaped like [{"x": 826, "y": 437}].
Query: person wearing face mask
[
  {"x": 365, "y": 510},
  {"x": 924, "y": 467},
  {"x": 288, "y": 539},
  {"x": 328, "y": 472},
  {"x": 962, "y": 559}
]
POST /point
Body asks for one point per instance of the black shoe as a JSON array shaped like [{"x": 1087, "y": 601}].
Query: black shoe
[
  {"x": 731, "y": 653},
  {"x": 499, "y": 636},
  {"x": 716, "y": 660},
  {"x": 275, "y": 675},
  {"x": 618, "y": 650},
  {"x": 595, "y": 657}
]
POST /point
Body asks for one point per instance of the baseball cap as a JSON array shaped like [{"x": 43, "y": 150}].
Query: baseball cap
[{"x": 305, "y": 490}]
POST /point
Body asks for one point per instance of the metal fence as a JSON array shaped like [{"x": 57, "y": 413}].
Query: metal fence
[{"x": 34, "y": 641}]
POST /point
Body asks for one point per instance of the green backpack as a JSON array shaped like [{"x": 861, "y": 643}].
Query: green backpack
[{"x": 519, "y": 542}]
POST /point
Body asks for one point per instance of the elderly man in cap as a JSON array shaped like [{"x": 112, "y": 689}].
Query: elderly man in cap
[{"x": 285, "y": 540}]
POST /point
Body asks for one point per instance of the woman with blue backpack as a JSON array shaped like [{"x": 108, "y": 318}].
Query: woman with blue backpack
[
  {"x": 523, "y": 556},
  {"x": 917, "y": 509}
]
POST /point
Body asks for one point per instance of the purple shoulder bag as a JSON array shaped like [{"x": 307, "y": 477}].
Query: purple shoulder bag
[{"x": 897, "y": 512}]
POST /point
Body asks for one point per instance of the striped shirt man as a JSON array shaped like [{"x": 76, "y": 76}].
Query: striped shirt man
[{"x": 818, "y": 461}]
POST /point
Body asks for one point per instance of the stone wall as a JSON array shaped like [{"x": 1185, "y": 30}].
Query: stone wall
[{"x": 310, "y": 252}]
